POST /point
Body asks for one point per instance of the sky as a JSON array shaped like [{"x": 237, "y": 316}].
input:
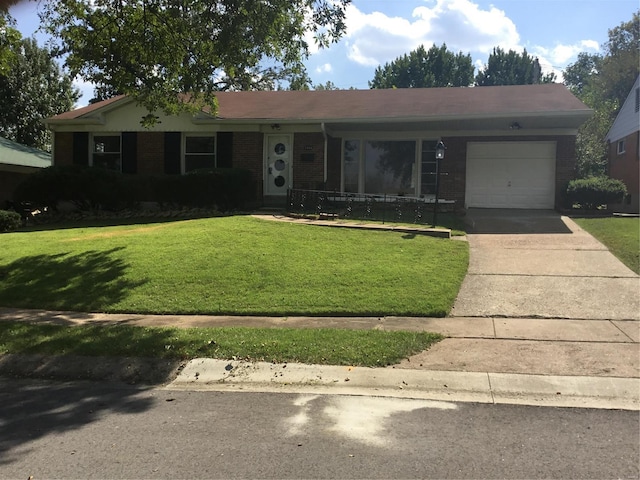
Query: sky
[{"x": 378, "y": 31}]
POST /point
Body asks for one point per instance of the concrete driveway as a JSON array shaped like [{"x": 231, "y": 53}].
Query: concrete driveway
[{"x": 537, "y": 263}]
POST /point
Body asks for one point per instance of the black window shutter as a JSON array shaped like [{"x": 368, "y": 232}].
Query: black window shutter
[
  {"x": 80, "y": 148},
  {"x": 172, "y": 153},
  {"x": 129, "y": 152},
  {"x": 224, "y": 149}
]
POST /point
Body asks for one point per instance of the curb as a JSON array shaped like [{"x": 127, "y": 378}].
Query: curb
[{"x": 480, "y": 387}]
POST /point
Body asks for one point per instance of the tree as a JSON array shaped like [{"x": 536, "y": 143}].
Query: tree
[
  {"x": 329, "y": 85},
  {"x": 511, "y": 68},
  {"x": 436, "y": 67},
  {"x": 155, "y": 50},
  {"x": 602, "y": 82},
  {"x": 31, "y": 89},
  {"x": 9, "y": 39}
]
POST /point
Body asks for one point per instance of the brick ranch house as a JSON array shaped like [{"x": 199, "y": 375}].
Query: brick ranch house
[{"x": 506, "y": 146}]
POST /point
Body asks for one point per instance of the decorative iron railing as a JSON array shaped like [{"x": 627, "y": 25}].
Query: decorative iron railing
[{"x": 382, "y": 208}]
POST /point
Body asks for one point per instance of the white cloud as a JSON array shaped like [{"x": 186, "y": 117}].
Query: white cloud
[
  {"x": 375, "y": 38},
  {"x": 324, "y": 68},
  {"x": 562, "y": 54}
]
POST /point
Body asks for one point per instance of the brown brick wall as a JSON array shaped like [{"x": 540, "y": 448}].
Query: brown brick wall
[
  {"x": 626, "y": 167},
  {"x": 308, "y": 175},
  {"x": 247, "y": 154},
  {"x": 63, "y": 148},
  {"x": 150, "y": 152}
]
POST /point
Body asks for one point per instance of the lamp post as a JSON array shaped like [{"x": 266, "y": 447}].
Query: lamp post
[{"x": 440, "y": 148}]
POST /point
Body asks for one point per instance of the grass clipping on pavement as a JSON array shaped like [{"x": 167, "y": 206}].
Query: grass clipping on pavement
[{"x": 371, "y": 348}]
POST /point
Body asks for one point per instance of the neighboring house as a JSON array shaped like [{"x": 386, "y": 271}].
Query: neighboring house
[
  {"x": 507, "y": 147},
  {"x": 16, "y": 163},
  {"x": 623, "y": 156}
]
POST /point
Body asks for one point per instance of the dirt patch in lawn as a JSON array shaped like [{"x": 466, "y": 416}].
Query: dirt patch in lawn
[{"x": 116, "y": 233}]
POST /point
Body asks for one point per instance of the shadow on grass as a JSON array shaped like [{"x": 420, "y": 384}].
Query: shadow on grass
[
  {"x": 104, "y": 222},
  {"x": 89, "y": 281}
]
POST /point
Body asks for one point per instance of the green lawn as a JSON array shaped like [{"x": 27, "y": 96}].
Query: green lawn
[
  {"x": 621, "y": 235},
  {"x": 231, "y": 265},
  {"x": 316, "y": 346}
]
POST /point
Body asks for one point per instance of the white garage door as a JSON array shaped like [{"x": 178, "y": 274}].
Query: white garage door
[{"x": 511, "y": 175}]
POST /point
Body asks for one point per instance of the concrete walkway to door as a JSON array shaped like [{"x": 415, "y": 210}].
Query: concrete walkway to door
[{"x": 539, "y": 264}]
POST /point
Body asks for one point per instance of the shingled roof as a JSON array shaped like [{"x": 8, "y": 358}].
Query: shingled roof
[{"x": 389, "y": 105}]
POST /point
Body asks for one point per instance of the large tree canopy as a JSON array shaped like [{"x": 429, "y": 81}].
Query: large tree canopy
[
  {"x": 32, "y": 88},
  {"x": 603, "y": 81},
  {"x": 9, "y": 40},
  {"x": 153, "y": 50},
  {"x": 436, "y": 67},
  {"x": 511, "y": 68}
]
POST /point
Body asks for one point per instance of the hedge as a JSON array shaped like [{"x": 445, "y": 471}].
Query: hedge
[
  {"x": 9, "y": 221},
  {"x": 593, "y": 192},
  {"x": 99, "y": 189}
]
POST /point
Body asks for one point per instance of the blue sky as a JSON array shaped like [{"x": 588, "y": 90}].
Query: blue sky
[{"x": 555, "y": 31}]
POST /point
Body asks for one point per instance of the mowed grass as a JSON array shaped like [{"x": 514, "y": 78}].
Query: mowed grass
[
  {"x": 315, "y": 346},
  {"x": 231, "y": 265},
  {"x": 621, "y": 235}
]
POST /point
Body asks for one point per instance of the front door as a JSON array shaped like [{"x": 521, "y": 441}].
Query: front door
[{"x": 277, "y": 164}]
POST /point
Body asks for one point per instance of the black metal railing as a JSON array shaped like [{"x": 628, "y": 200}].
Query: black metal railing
[{"x": 360, "y": 206}]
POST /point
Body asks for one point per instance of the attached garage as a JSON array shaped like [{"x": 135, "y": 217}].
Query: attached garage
[{"x": 511, "y": 175}]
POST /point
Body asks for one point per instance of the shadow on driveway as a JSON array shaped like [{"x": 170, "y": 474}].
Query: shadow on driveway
[{"x": 514, "y": 221}]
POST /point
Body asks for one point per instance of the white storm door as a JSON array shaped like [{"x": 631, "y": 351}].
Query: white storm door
[
  {"x": 277, "y": 164},
  {"x": 511, "y": 175}
]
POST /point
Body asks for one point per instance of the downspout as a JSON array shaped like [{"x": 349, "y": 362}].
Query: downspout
[{"x": 326, "y": 148}]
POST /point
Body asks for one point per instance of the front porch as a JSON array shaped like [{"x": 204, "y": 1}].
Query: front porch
[{"x": 359, "y": 206}]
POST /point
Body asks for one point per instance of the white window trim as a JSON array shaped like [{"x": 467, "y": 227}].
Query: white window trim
[
  {"x": 621, "y": 147},
  {"x": 103, "y": 134},
  {"x": 183, "y": 148}
]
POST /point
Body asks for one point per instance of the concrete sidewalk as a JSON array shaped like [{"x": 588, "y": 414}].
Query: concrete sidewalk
[{"x": 585, "y": 363}]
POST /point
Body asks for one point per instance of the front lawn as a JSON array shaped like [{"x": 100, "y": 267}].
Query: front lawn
[
  {"x": 231, "y": 265},
  {"x": 315, "y": 346},
  {"x": 621, "y": 235}
]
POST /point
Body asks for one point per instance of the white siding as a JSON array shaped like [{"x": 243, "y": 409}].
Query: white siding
[{"x": 628, "y": 119}]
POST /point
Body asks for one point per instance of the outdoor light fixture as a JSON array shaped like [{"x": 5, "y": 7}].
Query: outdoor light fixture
[{"x": 440, "y": 148}]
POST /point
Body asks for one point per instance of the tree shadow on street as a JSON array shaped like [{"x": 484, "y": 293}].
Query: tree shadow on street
[
  {"x": 32, "y": 410},
  {"x": 89, "y": 281}
]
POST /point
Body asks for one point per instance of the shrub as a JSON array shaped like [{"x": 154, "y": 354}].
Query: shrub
[
  {"x": 87, "y": 188},
  {"x": 591, "y": 193},
  {"x": 95, "y": 188},
  {"x": 9, "y": 221}
]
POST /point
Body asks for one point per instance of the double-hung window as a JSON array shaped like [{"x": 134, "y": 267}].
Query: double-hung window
[
  {"x": 199, "y": 152},
  {"x": 107, "y": 152}
]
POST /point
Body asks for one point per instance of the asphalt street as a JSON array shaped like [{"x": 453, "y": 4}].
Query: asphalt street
[{"x": 104, "y": 430}]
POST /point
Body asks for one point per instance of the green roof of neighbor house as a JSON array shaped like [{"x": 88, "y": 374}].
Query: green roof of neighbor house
[{"x": 12, "y": 153}]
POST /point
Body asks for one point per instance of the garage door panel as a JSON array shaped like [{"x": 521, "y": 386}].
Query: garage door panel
[{"x": 510, "y": 175}]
